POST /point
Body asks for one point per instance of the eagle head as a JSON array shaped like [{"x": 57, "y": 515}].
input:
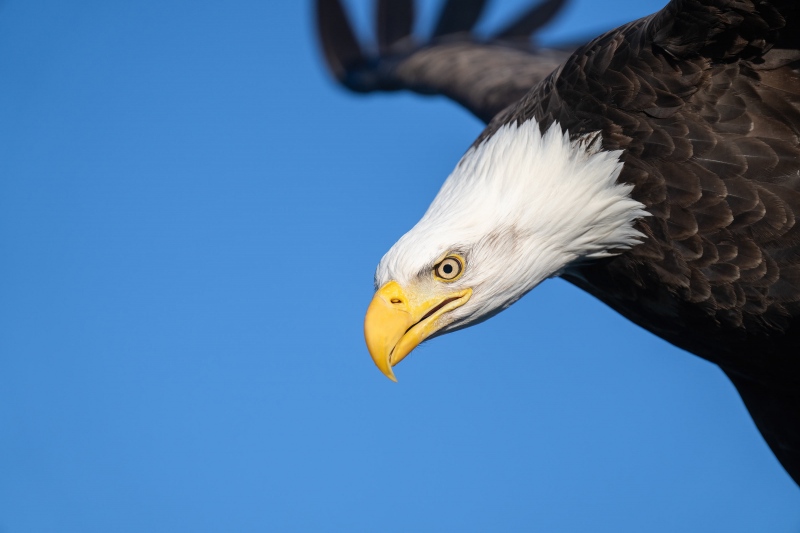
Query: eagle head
[{"x": 520, "y": 207}]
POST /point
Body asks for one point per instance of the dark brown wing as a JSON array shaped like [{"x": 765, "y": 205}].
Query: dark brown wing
[
  {"x": 704, "y": 99},
  {"x": 485, "y": 76}
]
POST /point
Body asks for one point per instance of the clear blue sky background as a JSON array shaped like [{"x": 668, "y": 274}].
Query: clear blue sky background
[{"x": 190, "y": 216}]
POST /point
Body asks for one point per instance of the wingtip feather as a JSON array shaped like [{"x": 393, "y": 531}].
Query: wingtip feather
[
  {"x": 458, "y": 16},
  {"x": 339, "y": 44},
  {"x": 531, "y": 20},
  {"x": 395, "y": 22}
]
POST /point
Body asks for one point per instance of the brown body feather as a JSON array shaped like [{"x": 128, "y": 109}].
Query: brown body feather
[{"x": 704, "y": 100}]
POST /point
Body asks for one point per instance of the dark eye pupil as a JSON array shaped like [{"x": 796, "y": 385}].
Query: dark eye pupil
[{"x": 448, "y": 269}]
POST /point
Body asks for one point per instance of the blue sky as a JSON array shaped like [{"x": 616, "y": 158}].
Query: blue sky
[{"x": 190, "y": 217}]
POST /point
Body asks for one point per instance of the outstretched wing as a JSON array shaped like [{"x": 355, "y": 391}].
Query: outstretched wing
[{"x": 485, "y": 76}]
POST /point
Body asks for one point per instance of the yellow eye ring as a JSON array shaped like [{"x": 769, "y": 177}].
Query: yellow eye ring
[{"x": 449, "y": 269}]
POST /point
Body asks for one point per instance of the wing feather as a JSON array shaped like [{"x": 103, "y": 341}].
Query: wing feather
[
  {"x": 535, "y": 18},
  {"x": 395, "y": 22},
  {"x": 485, "y": 76},
  {"x": 458, "y": 16},
  {"x": 339, "y": 44}
]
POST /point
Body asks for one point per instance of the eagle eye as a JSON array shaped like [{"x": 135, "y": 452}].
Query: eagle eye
[{"x": 449, "y": 268}]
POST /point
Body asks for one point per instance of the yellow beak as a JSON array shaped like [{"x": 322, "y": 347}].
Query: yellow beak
[{"x": 397, "y": 322}]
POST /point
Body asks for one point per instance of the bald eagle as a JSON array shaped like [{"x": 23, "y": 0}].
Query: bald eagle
[{"x": 656, "y": 167}]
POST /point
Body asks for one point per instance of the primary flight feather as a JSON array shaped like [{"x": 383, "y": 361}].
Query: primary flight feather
[{"x": 657, "y": 167}]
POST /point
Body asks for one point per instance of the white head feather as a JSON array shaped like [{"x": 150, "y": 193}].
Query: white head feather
[{"x": 519, "y": 207}]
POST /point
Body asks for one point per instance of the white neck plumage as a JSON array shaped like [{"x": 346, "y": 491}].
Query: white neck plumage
[
  {"x": 521, "y": 207},
  {"x": 564, "y": 192}
]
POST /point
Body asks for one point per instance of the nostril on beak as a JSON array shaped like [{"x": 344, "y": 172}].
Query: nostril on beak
[{"x": 396, "y": 301}]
